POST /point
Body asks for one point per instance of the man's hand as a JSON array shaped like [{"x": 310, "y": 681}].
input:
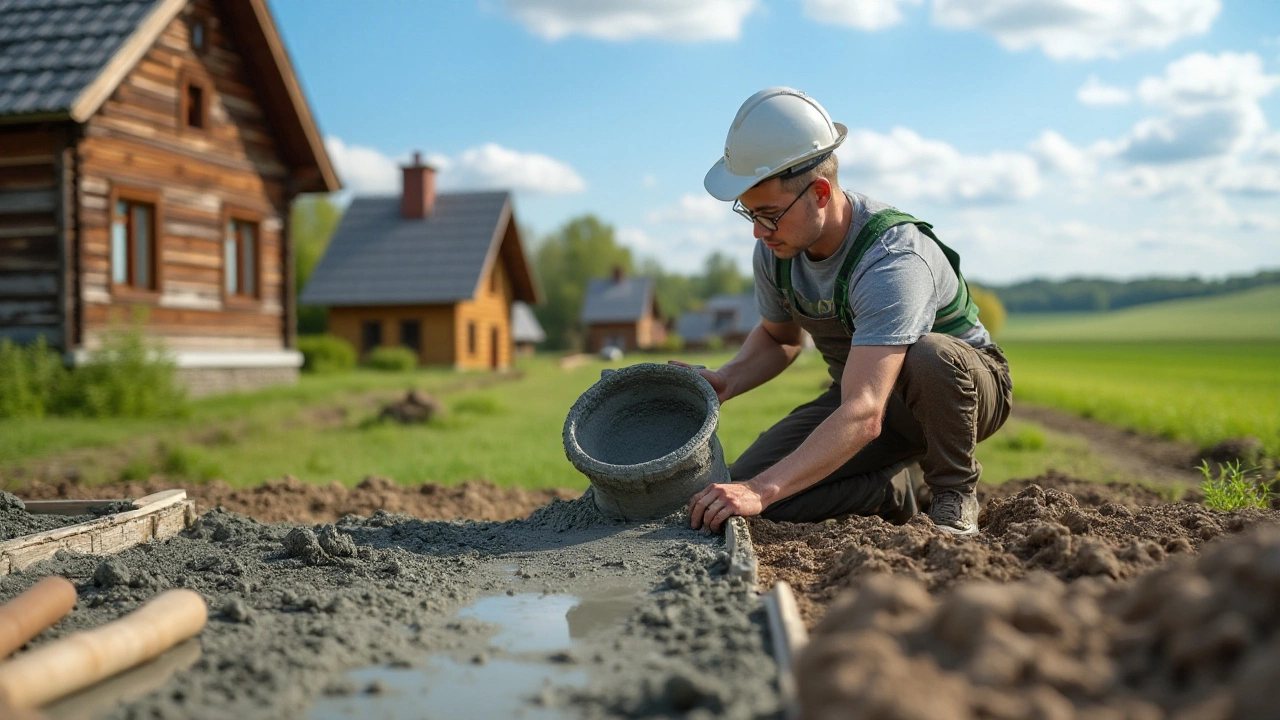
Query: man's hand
[
  {"x": 715, "y": 377},
  {"x": 717, "y": 503}
]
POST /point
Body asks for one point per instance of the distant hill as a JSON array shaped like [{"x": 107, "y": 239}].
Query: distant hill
[
  {"x": 1249, "y": 315},
  {"x": 1097, "y": 295}
]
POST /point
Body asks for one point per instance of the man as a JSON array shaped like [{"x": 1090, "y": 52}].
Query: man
[{"x": 916, "y": 376}]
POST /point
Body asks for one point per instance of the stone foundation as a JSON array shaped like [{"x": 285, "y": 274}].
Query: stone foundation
[{"x": 216, "y": 381}]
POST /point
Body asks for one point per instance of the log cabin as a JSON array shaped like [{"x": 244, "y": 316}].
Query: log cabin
[
  {"x": 149, "y": 153},
  {"x": 622, "y": 312},
  {"x": 437, "y": 273}
]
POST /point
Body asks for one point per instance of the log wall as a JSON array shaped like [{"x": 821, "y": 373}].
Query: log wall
[{"x": 31, "y": 279}]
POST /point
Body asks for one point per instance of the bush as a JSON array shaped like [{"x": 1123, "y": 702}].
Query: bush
[
  {"x": 391, "y": 358},
  {"x": 326, "y": 354},
  {"x": 715, "y": 343},
  {"x": 990, "y": 310},
  {"x": 31, "y": 378},
  {"x": 129, "y": 375},
  {"x": 671, "y": 343}
]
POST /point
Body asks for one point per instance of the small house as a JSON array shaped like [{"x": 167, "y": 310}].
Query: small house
[
  {"x": 727, "y": 318},
  {"x": 621, "y": 312},
  {"x": 434, "y": 272},
  {"x": 526, "y": 331}
]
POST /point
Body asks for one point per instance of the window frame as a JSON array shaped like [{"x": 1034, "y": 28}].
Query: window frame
[
  {"x": 135, "y": 196},
  {"x": 186, "y": 80},
  {"x": 365, "y": 325},
  {"x": 230, "y": 214},
  {"x": 417, "y": 325}
]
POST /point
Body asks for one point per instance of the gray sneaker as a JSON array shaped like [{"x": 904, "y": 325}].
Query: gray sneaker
[{"x": 954, "y": 512}]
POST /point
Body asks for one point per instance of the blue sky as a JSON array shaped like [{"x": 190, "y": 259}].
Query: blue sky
[{"x": 1042, "y": 138}]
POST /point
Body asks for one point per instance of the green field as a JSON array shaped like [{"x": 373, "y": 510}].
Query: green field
[{"x": 1250, "y": 315}]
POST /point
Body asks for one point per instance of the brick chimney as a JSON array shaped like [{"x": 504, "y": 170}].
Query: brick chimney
[{"x": 418, "y": 194}]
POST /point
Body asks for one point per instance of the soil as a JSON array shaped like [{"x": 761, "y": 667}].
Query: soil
[
  {"x": 295, "y": 608},
  {"x": 291, "y": 500}
]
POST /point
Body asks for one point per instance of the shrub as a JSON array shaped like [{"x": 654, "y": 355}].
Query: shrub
[
  {"x": 1232, "y": 489},
  {"x": 326, "y": 354},
  {"x": 715, "y": 343},
  {"x": 31, "y": 377},
  {"x": 671, "y": 343},
  {"x": 391, "y": 358},
  {"x": 129, "y": 375},
  {"x": 990, "y": 310}
]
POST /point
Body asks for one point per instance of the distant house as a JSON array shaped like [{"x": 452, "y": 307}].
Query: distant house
[
  {"x": 526, "y": 331},
  {"x": 149, "y": 153},
  {"x": 436, "y": 273},
  {"x": 622, "y": 312},
  {"x": 727, "y": 317}
]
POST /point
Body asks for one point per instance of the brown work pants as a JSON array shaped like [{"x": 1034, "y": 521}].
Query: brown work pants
[{"x": 948, "y": 397}]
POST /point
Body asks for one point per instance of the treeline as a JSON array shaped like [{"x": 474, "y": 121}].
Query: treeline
[
  {"x": 585, "y": 248},
  {"x": 1097, "y": 295}
]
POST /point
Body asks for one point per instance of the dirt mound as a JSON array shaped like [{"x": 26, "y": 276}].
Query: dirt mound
[
  {"x": 1036, "y": 529},
  {"x": 290, "y": 499},
  {"x": 1194, "y": 638}
]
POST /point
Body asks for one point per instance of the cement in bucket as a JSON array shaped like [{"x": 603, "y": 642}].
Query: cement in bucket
[{"x": 645, "y": 436}]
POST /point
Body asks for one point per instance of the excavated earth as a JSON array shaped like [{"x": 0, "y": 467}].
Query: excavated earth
[
  {"x": 1078, "y": 600},
  {"x": 356, "y": 617}
]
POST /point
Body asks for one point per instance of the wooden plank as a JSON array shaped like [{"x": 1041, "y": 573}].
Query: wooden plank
[
  {"x": 789, "y": 636},
  {"x": 27, "y": 285},
  {"x": 28, "y": 201},
  {"x": 158, "y": 517},
  {"x": 30, "y": 312}
]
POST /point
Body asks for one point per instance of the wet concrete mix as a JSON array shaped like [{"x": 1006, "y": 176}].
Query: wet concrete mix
[{"x": 295, "y": 608}]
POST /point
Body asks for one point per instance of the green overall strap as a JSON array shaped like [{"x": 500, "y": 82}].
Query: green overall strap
[{"x": 958, "y": 316}]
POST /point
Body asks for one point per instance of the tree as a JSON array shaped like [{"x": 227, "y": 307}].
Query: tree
[
  {"x": 313, "y": 220},
  {"x": 990, "y": 309},
  {"x": 720, "y": 276},
  {"x": 581, "y": 249}
]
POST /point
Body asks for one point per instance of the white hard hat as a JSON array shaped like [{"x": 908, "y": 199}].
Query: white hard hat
[{"x": 776, "y": 130}]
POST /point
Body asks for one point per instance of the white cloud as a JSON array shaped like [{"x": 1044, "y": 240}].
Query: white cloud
[
  {"x": 1080, "y": 29},
  {"x": 1093, "y": 92},
  {"x": 1192, "y": 135},
  {"x": 493, "y": 166},
  {"x": 366, "y": 171},
  {"x": 363, "y": 170},
  {"x": 685, "y": 20},
  {"x": 1200, "y": 81},
  {"x": 906, "y": 165},
  {"x": 860, "y": 14},
  {"x": 700, "y": 208},
  {"x": 1057, "y": 154}
]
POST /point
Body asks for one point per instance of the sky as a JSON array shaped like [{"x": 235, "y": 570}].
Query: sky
[{"x": 1041, "y": 138}]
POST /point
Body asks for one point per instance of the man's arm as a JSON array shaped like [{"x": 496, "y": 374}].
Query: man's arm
[
  {"x": 769, "y": 349},
  {"x": 869, "y": 377}
]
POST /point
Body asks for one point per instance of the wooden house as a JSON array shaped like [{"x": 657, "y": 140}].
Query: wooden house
[
  {"x": 149, "y": 153},
  {"x": 726, "y": 318},
  {"x": 621, "y": 312},
  {"x": 526, "y": 331},
  {"x": 436, "y": 273}
]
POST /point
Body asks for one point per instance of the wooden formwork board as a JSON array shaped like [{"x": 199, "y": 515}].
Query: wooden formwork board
[
  {"x": 789, "y": 636},
  {"x": 155, "y": 517}
]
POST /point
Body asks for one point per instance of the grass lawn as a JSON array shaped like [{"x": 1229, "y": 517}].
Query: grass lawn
[{"x": 502, "y": 429}]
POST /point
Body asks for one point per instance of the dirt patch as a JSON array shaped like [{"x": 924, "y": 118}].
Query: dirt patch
[
  {"x": 1117, "y": 533},
  {"x": 1137, "y": 455},
  {"x": 292, "y": 500},
  {"x": 1193, "y": 638}
]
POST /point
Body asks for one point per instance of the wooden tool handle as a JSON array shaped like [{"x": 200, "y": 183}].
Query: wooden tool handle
[
  {"x": 42, "y": 605},
  {"x": 84, "y": 658}
]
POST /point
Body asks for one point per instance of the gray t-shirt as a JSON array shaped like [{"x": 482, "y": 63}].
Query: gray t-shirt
[{"x": 895, "y": 290}]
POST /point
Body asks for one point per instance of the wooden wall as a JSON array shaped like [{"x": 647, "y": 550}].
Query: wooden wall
[
  {"x": 643, "y": 334},
  {"x": 138, "y": 140},
  {"x": 436, "y": 323},
  {"x": 490, "y": 313},
  {"x": 32, "y": 286}
]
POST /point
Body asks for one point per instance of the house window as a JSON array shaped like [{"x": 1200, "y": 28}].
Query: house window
[
  {"x": 471, "y": 338},
  {"x": 411, "y": 335},
  {"x": 240, "y": 258},
  {"x": 133, "y": 244},
  {"x": 197, "y": 35},
  {"x": 195, "y": 106},
  {"x": 370, "y": 335}
]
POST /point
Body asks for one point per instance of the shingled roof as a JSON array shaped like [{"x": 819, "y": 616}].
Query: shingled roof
[
  {"x": 617, "y": 300},
  {"x": 376, "y": 257},
  {"x": 62, "y": 59}
]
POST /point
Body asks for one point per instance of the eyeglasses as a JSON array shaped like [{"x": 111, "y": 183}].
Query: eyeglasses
[{"x": 768, "y": 223}]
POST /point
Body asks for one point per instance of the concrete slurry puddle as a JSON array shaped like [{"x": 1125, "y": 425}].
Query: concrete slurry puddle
[{"x": 533, "y": 653}]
